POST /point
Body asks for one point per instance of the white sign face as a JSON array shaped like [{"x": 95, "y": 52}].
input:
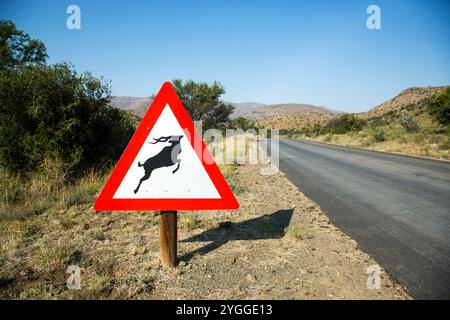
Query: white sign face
[{"x": 189, "y": 181}]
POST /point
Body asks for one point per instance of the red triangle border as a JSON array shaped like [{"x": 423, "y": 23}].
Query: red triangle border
[{"x": 106, "y": 202}]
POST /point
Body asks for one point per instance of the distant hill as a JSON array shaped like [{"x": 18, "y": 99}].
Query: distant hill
[
  {"x": 129, "y": 103},
  {"x": 249, "y": 110},
  {"x": 136, "y": 105},
  {"x": 266, "y": 111},
  {"x": 244, "y": 109}
]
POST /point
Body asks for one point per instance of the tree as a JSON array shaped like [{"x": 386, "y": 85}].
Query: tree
[
  {"x": 202, "y": 102},
  {"x": 17, "y": 48}
]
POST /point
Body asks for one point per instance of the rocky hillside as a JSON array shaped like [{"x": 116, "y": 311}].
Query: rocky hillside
[
  {"x": 413, "y": 95},
  {"x": 295, "y": 121},
  {"x": 269, "y": 111}
]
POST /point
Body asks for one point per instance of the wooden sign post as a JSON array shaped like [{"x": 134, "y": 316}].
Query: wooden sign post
[{"x": 168, "y": 238}]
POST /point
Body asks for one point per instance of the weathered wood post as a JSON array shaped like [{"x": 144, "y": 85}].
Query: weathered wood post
[{"x": 168, "y": 238}]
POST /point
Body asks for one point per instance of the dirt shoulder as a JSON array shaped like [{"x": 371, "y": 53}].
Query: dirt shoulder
[{"x": 278, "y": 245}]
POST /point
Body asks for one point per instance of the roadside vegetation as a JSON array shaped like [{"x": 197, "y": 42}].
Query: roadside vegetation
[
  {"x": 59, "y": 140},
  {"x": 421, "y": 129}
]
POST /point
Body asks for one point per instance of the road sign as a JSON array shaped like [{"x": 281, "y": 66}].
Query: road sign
[{"x": 166, "y": 165}]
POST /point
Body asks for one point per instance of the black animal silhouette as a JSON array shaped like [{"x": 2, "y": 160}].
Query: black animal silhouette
[{"x": 167, "y": 157}]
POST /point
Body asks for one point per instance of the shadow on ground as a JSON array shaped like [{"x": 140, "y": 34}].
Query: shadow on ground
[{"x": 270, "y": 226}]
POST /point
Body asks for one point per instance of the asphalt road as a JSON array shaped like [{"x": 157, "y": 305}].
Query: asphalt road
[{"x": 396, "y": 207}]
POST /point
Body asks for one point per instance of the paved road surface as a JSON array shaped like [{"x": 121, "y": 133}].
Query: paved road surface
[{"x": 396, "y": 207}]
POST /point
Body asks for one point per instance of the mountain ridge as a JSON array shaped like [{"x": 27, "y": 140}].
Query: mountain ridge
[{"x": 250, "y": 110}]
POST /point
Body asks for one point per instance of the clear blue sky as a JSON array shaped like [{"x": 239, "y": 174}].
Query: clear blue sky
[{"x": 317, "y": 52}]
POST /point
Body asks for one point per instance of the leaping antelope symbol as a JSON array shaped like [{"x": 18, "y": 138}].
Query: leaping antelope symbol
[{"x": 167, "y": 157}]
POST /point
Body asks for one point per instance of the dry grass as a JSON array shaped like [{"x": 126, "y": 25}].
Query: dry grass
[
  {"x": 296, "y": 232},
  {"x": 47, "y": 223},
  {"x": 388, "y": 135},
  {"x": 25, "y": 196}
]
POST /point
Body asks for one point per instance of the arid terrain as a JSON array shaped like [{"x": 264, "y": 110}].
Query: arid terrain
[
  {"x": 250, "y": 110},
  {"x": 295, "y": 121},
  {"x": 278, "y": 245},
  {"x": 402, "y": 124}
]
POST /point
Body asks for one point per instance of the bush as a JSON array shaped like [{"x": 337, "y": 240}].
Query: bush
[
  {"x": 344, "y": 124},
  {"x": 445, "y": 145},
  {"x": 229, "y": 173},
  {"x": 314, "y": 131},
  {"x": 410, "y": 107},
  {"x": 378, "y": 122},
  {"x": 290, "y": 133},
  {"x": 296, "y": 232},
  {"x": 329, "y": 137},
  {"x": 408, "y": 123},
  {"x": 379, "y": 135},
  {"x": 242, "y": 123},
  {"x": 439, "y": 107},
  {"x": 51, "y": 112}
]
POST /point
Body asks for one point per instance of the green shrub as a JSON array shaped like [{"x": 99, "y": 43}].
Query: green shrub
[
  {"x": 379, "y": 135},
  {"x": 439, "y": 107},
  {"x": 390, "y": 113},
  {"x": 230, "y": 175},
  {"x": 242, "y": 123},
  {"x": 296, "y": 232},
  {"x": 408, "y": 123},
  {"x": 345, "y": 123},
  {"x": 50, "y": 111},
  {"x": 99, "y": 235},
  {"x": 410, "y": 107},
  {"x": 314, "y": 131},
  {"x": 445, "y": 145},
  {"x": 329, "y": 137},
  {"x": 341, "y": 125},
  {"x": 378, "y": 122}
]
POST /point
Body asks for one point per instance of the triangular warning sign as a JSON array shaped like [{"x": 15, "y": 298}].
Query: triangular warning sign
[{"x": 166, "y": 165}]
